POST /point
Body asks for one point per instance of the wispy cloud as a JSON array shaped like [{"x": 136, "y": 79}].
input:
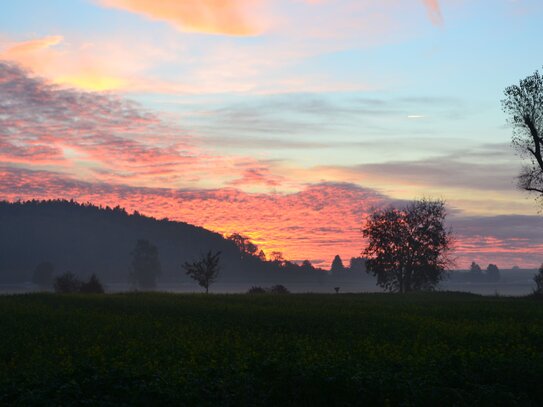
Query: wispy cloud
[
  {"x": 434, "y": 11},
  {"x": 84, "y": 66},
  {"x": 171, "y": 62},
  {"x": 231, "y": 17}
]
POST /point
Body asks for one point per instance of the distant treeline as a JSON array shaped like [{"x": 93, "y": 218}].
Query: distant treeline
[
  {"x": 85, "y": 239},
  {"x": 477, "y": 275}
]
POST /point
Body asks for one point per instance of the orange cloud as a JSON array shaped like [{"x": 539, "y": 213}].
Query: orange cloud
[
  {"x": 107, "y": 139},
  {"x": 230, "y": 17},
  {"x": 101, "y": 66},
  {"x": 434, "y": 11},
  {"x": 35, "y": 45},
  {"x": 316, "y": 223},
  {"x": 33, "y": 53}
]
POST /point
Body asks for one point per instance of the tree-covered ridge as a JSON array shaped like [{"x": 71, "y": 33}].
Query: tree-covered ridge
[{"x": 86, "y": 239}]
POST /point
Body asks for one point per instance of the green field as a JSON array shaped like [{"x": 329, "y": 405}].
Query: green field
[{"x": 367, "y": 349}]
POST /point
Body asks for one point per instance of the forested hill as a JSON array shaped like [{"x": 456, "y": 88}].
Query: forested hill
[{"x": 86, "y": 239}]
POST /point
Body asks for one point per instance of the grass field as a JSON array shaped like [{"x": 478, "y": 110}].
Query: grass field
[{"x": 368, "y": 349}]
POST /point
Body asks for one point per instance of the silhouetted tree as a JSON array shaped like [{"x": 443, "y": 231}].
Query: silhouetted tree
[
  {"x": 538, "y": 278},
  {"x": 493, "y": 273},
  {"x": 256, "y": 290},
  {"x": 205, "y": 271},
  {"x": 67, "y": 283},
  {"x": 307, "y": 266},
  {"x": 524, "y": 105},
  {"x": 262, "y": 255},
  {"x": 279, "y": 289},
  {"x": 245, "y": 246},
  {"x": 337, "y": 265},
  {"x": 407, "y": 248},
  {"x": 475, "y": 268},
  {"x": 277, "y": 257},
  {"x": 145, "y": 264},
  {"x": 93, "y": 286},
  {"x": 43, "y": 275}
]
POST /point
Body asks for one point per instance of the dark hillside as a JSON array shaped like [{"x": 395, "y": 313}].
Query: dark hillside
[{"x": 86, "y": 239}]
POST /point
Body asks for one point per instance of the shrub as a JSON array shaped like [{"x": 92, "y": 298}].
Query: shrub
[
  {"x": 256, "y": 290},
  {"x": 93, "y": 286},
  {"x": 279, "y": 289},
  {"x": 67, "y": 283}
]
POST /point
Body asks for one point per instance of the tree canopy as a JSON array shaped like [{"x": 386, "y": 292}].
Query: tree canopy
[
  {"x": 523, "y": 104},
  {"x": 475, "y": 268},
  {"x": 407, "y": 248},
  {"x": 245, "y": 246}
]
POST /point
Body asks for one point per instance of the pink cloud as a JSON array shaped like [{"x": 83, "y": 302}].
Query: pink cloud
[
  {"x": 103, "y": 138},
  {"x": 58, "y": 143},
  {"x": 257, "y": 175},
  {"x": 317, "y": 223},
  {"x": 231, "y": 17},
  {"x": 434, "y": 11},
  {"x": 96, "y": 67}
]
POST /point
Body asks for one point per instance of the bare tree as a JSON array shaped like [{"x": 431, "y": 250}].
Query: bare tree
[
  {"x": 408, "y": 247},
  {"x": 205, "y": 271},
  {"x": 523, "y": 104}
]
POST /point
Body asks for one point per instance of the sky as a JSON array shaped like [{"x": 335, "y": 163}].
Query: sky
[{"x": 285, "y": 120}]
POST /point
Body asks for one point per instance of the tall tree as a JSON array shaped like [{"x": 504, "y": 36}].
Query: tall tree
[
  {"x": 523, "y": 104},
  {"x": 145, "y": 264},
  {"x": 408, "y": 247},
  {"x": 205, "y": 270},
  {"x": 337, "y": 265}
]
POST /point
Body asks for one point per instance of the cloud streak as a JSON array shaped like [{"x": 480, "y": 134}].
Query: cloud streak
[{"x": 230, "y": 17}]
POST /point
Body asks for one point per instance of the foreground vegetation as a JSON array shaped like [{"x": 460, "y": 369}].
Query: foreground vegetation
[{"x": 379, "y": 349}]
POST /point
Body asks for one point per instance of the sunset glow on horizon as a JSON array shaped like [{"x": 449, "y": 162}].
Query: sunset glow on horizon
[{"x": 286, "y": 121}]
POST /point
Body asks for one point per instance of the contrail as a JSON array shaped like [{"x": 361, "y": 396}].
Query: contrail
[{"x": 434, "y": 11}]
